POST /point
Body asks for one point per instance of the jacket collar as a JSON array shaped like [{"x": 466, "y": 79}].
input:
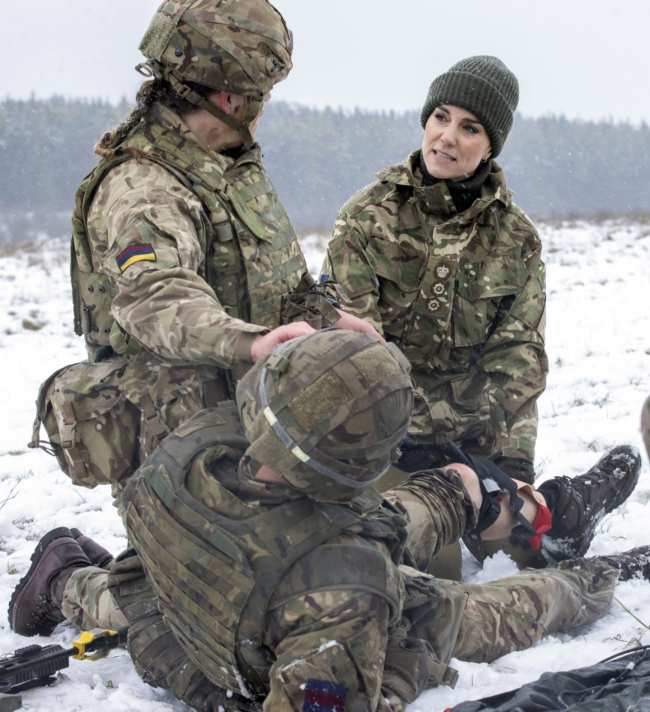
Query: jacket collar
[
  {"x": 436, "y": 198},
  {"x": 170, "y": 120}
]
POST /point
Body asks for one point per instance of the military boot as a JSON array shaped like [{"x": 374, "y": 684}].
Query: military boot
[
  {"x": 35, "y": 605},
  {"x": 95, "y": 552},
  {"x": 634, "y": 563},
  {"x": 579, "y": 503},
  {"x": 645, "y": 425}
]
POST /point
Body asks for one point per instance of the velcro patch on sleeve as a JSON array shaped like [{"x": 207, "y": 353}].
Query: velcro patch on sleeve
[
  {"x": 133, "y": 254},
  {"x": 323, "y": 696}
]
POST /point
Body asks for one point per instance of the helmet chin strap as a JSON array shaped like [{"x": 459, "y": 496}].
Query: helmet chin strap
[
  {"x": 152, "y": 68},
  {"x": 195, "y": 98}
]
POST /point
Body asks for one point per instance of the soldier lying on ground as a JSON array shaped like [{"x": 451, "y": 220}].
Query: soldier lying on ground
[{"x": 269, "y": 571}]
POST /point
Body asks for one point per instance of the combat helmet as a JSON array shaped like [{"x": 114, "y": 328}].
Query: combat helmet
[
  {"x": 327, "y": 411},
  {"x": 240, "y": 46}
]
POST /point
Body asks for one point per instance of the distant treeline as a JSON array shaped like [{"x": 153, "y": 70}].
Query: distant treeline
[{"x": 319, "y": 157}]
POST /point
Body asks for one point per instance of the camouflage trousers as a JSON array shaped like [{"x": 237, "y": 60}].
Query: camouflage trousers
[
  {"x": 473, "y": 622},
  {"x": 88, "y": 603},
  {"x": 482, "y": 622}
]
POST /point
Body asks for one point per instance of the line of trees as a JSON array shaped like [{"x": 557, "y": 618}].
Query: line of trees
[{"x": 319, "y": 157}]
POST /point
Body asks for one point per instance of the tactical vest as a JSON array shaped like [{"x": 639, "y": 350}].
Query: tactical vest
[
  {"x": 252, "y": 255},
  {"x": 215, "y": 575}
]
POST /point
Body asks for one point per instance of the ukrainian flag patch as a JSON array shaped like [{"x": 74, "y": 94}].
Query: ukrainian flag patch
[{"x": 133, "y": 254}]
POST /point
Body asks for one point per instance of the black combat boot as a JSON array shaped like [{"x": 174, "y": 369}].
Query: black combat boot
[
  {"x": 634, "y": 563},
  {"x": 95, "y": 552},
  {"x": 579, "y": 503},
  {"x": 35, "y": 606}
]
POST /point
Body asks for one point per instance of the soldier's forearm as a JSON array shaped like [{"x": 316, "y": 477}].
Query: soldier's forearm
[{"x": 177, "y": 317}]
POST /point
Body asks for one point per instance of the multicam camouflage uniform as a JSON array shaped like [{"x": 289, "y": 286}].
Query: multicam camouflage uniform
[
  {"x": 462, "y": 294},
  {"x": 297, "y": 594},
  {"x": 183, "y": 256},
  {"x": 195, "y": 272}
]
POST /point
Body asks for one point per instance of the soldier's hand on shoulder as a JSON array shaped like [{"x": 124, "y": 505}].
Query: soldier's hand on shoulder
[{"x": 263, "y": 345}]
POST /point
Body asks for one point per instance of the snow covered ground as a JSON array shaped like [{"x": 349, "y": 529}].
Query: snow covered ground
[{"x": 599, "y": 350}]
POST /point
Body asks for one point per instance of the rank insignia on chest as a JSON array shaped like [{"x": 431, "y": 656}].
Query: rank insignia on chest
[
  {"x": 133, "y": 254},
  {"x": 323, "y": 696}
]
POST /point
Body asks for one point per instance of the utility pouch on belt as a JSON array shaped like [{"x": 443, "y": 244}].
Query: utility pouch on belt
[{"x": 92, "y": 427}]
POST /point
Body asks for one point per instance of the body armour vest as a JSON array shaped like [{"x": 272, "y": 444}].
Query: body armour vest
[
  {"x": 215, "y": 573},
  {"x": 252, "y": 255}
]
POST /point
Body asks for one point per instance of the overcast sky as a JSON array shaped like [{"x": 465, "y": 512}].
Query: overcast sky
[{"x": 583, "y": 58}]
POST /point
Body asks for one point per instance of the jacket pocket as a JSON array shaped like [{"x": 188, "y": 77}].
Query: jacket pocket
[{"x": 480, "y": 289}]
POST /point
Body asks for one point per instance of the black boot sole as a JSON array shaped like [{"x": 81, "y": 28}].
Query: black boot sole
[{"x": 58, "y": 533}]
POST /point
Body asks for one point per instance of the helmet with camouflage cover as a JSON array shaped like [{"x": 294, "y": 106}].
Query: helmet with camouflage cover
[
  {"x": 239, "y": 46},
  {"x": 327, "y": 411}
]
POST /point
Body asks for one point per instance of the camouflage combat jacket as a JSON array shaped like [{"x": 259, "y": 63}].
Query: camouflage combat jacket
[
  {"x": 181, "y": 258},
  {"x": 271, "y": 595},
  {"x": 191, "y": 249},
  {"x": 462, "y": 294}
]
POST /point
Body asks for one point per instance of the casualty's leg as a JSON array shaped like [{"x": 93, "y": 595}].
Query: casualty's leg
[
  {"x": 516, "y": 612},
  {"x": 576, "y": 505},
  {"x": 62, "y": 583},
  {"x": 87, "y": 601},
  {"x": 481, "y": 622},
  {"x": 438, "y": 508},
  {"x": 442, "y": 505}
]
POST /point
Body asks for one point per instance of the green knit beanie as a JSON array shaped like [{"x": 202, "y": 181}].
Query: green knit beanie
[{"x": 482, "y": 85}]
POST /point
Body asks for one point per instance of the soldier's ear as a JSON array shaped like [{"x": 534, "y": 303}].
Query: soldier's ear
[{"x": 227, "y": 101}]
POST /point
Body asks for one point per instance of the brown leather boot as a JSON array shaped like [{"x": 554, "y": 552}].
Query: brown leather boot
[
  {"x": 95, "y": 552},
  {"x": 35, "y": 605}
]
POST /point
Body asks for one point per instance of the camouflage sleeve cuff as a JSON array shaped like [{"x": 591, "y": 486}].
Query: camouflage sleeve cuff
[
  {"x": 243, "y": 342},
  {"x": 471, "y": 513},
  {"x": 329, "y": 313}
]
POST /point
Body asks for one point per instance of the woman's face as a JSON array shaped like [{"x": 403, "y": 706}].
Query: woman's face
[{"x": 454, "y": 143}]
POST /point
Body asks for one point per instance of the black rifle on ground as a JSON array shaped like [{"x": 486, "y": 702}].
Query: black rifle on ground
[{"x": 37, "y": 665}]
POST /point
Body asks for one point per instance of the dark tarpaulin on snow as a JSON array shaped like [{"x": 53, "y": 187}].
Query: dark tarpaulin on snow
[{"x": 619, "y": 684}]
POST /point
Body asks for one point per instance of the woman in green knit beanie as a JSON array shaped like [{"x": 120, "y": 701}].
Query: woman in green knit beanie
[
  {"x": 437, "y": 256},
  {"x": 467, "y": 116}
]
